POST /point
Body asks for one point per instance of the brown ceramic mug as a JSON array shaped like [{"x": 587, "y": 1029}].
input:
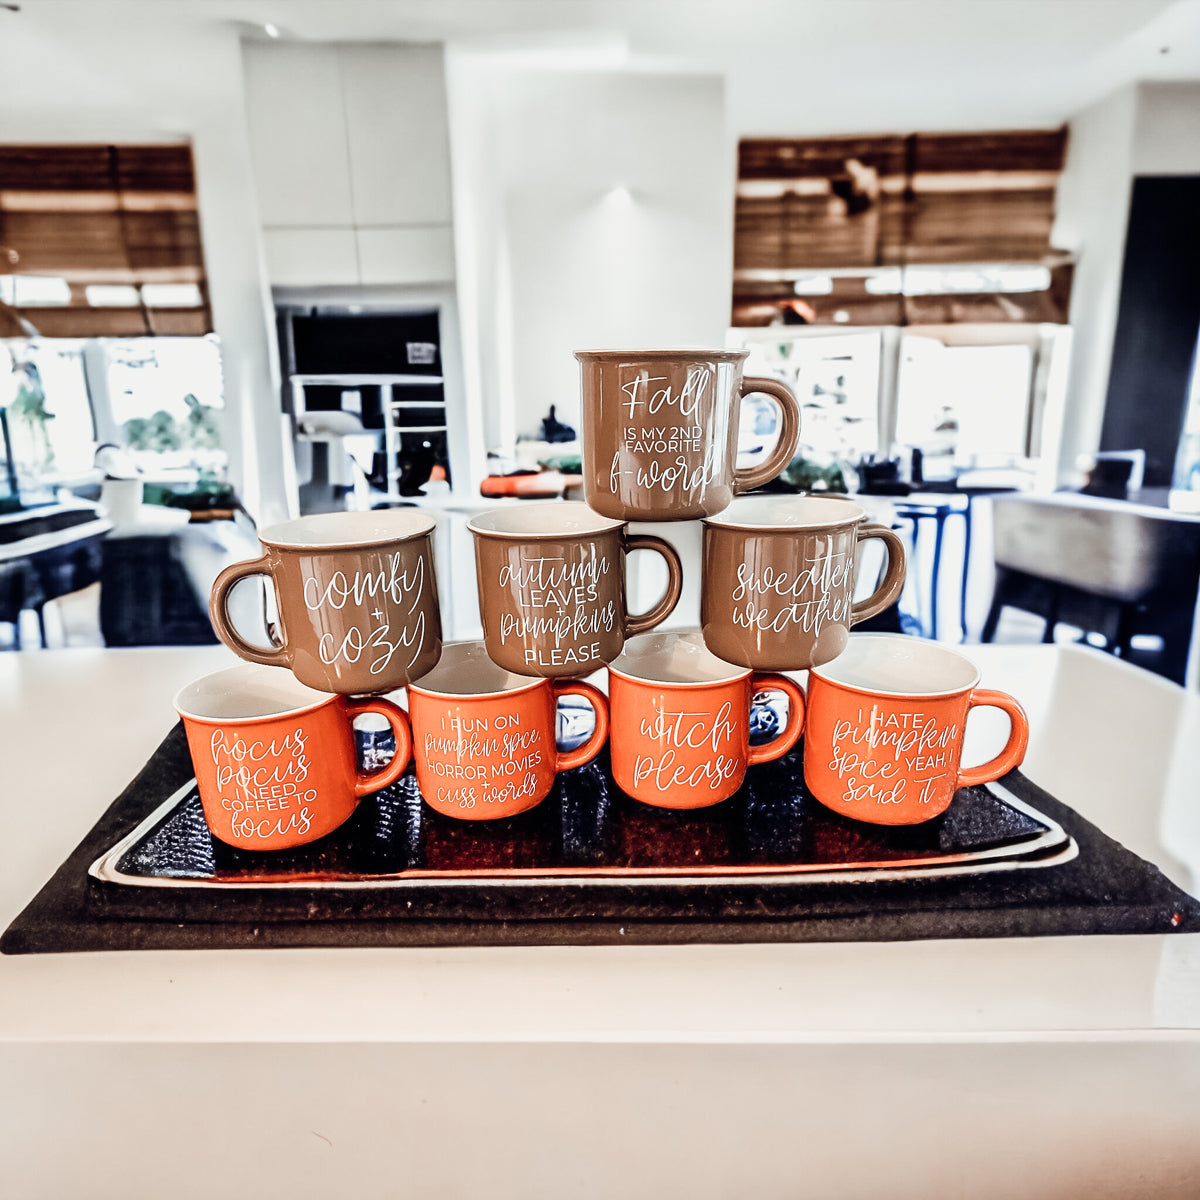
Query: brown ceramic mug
[
  {"x": 552, "y": 587},
  {"x": 357, "y": 599},
  {"x": 660, "y": 431},
  {"x": 778, "y": 580}
]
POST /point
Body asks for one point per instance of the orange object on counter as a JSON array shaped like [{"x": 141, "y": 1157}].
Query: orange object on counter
[{"x": 544, "y": 485}]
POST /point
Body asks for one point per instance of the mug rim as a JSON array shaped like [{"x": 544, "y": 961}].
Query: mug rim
[
  {"x": 691, "y": 636},
  {"x": 411, "y": 523},
  {"x": 664, "y": 355},
  {"x": 467, "y": 649},
  {"x": 602, "y": 524},
  {"x": 823, "y": 672},
  {"x": 724, "y": 519},
  {"x": 253, "y": 671}
]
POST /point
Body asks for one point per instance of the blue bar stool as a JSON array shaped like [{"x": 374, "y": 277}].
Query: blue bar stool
[{"x": 916, "y": 513}]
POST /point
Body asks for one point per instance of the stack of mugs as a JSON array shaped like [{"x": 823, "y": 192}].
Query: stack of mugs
[{"x": 357, "y": 598}]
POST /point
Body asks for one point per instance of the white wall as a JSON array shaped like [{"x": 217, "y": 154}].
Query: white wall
[
  {"x": 352, "y": 160},
  {"x": 1166, "y": 137},
  {"x": 1093, "y": 212},
  {"x": 592, "y": 209},
  {"x": 1142, "y": 129},
  {"x": 80, "y": 76}
]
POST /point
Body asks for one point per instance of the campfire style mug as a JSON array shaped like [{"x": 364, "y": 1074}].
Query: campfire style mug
[
  {"x": 885, "y": 729},
  {"x": 680, "y": 721},
  {"x": 552, "y": 587},
  {"x": 357, "y": 599},
  {"x": 276, "y": 763},
  {"x": 485, "y": 737},
  {"x": 778, "y": 580},
  {"x": 660, "y": 432}
]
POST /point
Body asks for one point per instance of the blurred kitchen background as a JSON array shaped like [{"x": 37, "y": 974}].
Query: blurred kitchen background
[{"x": 263, "y": 258}]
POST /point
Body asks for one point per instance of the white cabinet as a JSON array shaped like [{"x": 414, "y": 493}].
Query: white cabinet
[
  {"x": 297, "y": 127},
  {"x": 352, "y": 162},
  {"x": 311, "y": 257},
  {"x": 396, "y": 126},
  {"x": 423, "y": 254}
]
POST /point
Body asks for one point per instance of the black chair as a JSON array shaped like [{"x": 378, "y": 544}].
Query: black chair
[{"x": 1104, "y": 566}]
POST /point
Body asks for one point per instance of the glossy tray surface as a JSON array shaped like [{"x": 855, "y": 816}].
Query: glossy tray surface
[{"x": 587, "y": 829}]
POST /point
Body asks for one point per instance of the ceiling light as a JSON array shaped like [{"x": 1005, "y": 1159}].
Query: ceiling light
[
  {"x": 272, "y": 31},
  {"x": 34, "y": 291},
  {"x": 172, "y": 295},
  {"x": 119, "y": 295},
  {"x": 813, "y": 285}
]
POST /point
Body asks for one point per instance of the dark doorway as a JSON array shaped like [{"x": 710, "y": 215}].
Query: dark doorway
[{"x": 1157, "y": 323}]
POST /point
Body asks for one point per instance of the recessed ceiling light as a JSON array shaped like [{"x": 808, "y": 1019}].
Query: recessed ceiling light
[
  {"x": 272, "y": 31},
  {"x": 112, "y": 295}
]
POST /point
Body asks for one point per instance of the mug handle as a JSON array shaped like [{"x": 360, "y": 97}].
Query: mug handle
[
  {"x": 374, "y": 781},
  {"x": 893, "y": 579},
  {"x": 789, "y": 433},
  {"x": 218, "y": 611},
  {"x": 590, "y": 748},
  {"x": 663, "y": 609},
  {"x": 1014, "y": 748},
  {"x": 779, "y": 745}
]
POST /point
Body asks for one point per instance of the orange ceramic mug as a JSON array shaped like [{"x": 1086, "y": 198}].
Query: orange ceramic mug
[
  {"x": 485, "y": 737},
  {"x": 885, "y": 727},
  {"x": 681, "y": 721},
  {"x": 275, "y": 761}
]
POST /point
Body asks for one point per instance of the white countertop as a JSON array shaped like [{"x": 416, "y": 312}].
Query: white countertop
[{"x": 780, "y": 1058}]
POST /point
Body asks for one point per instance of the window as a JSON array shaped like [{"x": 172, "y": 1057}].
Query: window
[
  {"x": 963, "y": 406},
  {"x": 50, "y": 415},
  {"x": 835, "y": 378},
  {"x": 165, "y": 396}
]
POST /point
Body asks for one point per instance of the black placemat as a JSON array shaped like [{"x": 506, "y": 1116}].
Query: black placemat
[{"x": 1106, "y": 889}]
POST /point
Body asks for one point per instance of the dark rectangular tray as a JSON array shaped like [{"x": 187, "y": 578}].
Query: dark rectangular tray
[
  {"x": 591, "y": 867},
  {"x": 586, "y": 833}
]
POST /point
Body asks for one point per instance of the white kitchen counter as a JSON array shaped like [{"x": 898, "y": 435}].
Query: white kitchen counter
[{"x": 1023, "y": 1067}]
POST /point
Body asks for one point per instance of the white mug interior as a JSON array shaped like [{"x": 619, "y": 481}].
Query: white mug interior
[
  {"x": 247, "y": 692},
  {"x": 333, "y": 530},
  {"x": 555, "y": 518},
  {"x": 893, "y": 664},
  {"x": 787, "y": 512},
  {"x": 465, "y": 669},
  {"x": 679, "y": 659}
]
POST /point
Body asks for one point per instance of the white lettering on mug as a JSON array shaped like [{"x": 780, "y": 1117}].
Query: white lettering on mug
[
  {"x": 663, "y": 456},
  {"x": 386, "y": 628},
  {"x": 683, "y": 473},
  {"x": 651, "y": 400},
  {"x": 817, "y": 595},
  {"x": 674, "y": 731},
  {"x": 558, "y": 611},
  {"x": 869, "y": 754},
  {"x": 491, "y": 770},
  {"x": 260, "y": 775}
]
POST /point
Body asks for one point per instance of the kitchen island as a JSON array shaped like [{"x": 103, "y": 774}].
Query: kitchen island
[{"x": 998, "y": 1067}]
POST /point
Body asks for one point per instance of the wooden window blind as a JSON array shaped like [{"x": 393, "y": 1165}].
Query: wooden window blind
[
  {"x": 848, "y": 209},
  {"x": 104, "y": 215}
]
